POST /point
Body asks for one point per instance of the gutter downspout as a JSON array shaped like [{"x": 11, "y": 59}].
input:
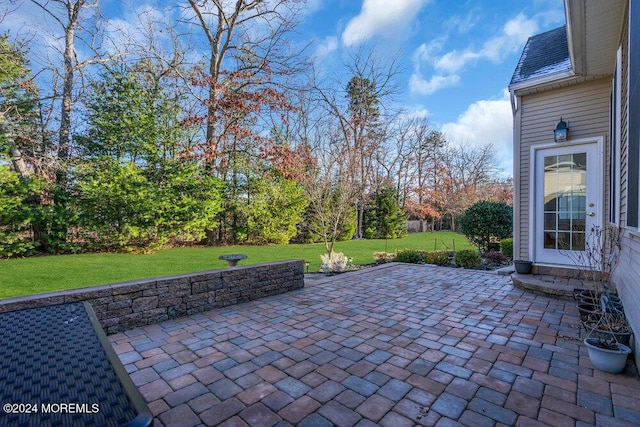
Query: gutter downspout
[{"x": 516, "y": 110}]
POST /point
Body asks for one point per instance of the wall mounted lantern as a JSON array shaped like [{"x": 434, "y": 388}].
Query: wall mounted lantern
[{"x": 561, "y": 131}]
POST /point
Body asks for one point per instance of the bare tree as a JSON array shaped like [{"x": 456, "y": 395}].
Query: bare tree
[
  {"x": 420, "y": 173},
  {"x": 463, "y": 173},
  {"x": 246, "y": 41},
  {"x": 329, "y": 189},
  {"x": 69, "y": 16},
  {"x": 360, "y": 107}
]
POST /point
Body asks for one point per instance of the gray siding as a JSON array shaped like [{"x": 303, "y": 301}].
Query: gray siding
[
  {"x": 586, "y": 108},
  {"x": 628, "y": 270},
  {"x": 626, "y": 278},
  {"x": 624, "y": 116}
]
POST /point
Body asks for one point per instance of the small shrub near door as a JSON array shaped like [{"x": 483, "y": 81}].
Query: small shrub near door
[
  {"x": 468, "y": 258},
  {"x": 495, "y": 258},
  {"x": 486, "y": 222},
  {"x": 506, "y": 247}
]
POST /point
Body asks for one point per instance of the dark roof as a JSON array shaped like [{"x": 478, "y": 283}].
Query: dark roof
[{"x": 543, "y": 55}]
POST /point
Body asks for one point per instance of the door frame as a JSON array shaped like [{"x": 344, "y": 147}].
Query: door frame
[{"x": 599, "y": 190}]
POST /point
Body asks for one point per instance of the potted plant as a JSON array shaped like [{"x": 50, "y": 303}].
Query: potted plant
[
  {"x": 522, "y": 266},
  {"x": 607, "y": 356},
  {"x": 608, "y": 331}
]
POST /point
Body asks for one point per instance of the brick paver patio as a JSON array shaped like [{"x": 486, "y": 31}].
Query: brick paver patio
[{"x": 393, "y": 345}]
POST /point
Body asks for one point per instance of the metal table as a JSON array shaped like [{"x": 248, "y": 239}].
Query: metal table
[{"x": 57, "y": 368}]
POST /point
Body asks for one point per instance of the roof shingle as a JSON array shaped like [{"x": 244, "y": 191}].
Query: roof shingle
[{"x": 544, "y": 55}]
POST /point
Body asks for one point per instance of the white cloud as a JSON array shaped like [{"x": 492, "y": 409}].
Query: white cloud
[
  {"x": 312, "y": 6},
  {"x": 514, "y": 34},
  {"x": 426, "y": 51},
  {"x": 486, "y": 122},
  {"x": 328, "y": 45},
  {"x": 417, "y": 84},
  {"x": 454, "y": 61},
  {"x": 136, "y": 26},
  {"x": 450, "y": 65},
  {"x": 415, "y": 112},
  {"x": 464, "y": 23},
  {"x": 377, "y": 16}
]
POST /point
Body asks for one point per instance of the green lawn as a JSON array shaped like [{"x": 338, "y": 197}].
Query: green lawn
[{"x": 26, "y": 276}]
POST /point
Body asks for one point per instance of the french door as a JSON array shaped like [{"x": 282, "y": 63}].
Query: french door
[{"x": 567, "y": 197}]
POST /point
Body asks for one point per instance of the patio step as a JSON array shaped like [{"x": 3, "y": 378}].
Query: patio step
[{"x": 546, "y": 284}]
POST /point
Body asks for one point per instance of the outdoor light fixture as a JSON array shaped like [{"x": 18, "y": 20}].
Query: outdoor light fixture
[{"x": 560, "y": 133}]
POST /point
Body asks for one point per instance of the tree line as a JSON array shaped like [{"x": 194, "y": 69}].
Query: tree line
[{"x": 212, "y": 126}]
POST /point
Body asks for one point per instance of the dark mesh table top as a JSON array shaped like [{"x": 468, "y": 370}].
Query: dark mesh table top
[{"x": 57, "y": 361}]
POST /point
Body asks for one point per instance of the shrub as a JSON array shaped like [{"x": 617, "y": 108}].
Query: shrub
[
  {"x": 494, "y": 257},
  {"x": 311, "y": 229},
  {"x": 385, "y": 219},
  {"x": 17, "y": 213},
  {"x": 275, "y": 210},
  {"x": 437, "y": 258},
  {"x": 487, "y": 221},
  {"x": 130, "y": 207},
  {"x": 382, "y": 257},
  {"x": 411, "y": 256},
  {"x": 468, "y": 258},
  {"x": 335, "y": 262},
  {"x": 506, "y": 247}
]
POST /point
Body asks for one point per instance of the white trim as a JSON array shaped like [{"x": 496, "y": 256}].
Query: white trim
[
  {"x": 517, "y": 183},
  {"x": 532, "y": 201},
  {"x": 599, "y": 141},
  {"x": 551, "y": 78},
  {"x": 575, "y": 13}
]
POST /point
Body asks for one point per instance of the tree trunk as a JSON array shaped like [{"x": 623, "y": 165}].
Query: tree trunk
[
  {"x": 64, "y": 134},
  {"x": 18, "y": 162},
  {"x": 59, "y": 227},
  {"x": 360, "y": 217}
]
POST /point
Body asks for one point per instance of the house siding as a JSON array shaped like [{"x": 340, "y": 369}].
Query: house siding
[
  {"x": 626, "y": 275},
  {"x": 626, "y": 281},
  {"x": 624, "y": 121},
  {"x": 586, "y": 108}
]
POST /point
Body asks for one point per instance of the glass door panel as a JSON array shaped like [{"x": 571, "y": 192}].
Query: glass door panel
[
  {"x": 566, "y": 196},
  {"x": 565, "y": 201}
]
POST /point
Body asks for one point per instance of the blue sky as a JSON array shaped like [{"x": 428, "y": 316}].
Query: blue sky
[{"x": 456, "y": 56}]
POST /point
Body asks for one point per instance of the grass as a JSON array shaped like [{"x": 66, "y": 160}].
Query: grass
[{"x": 26, "y": 276}]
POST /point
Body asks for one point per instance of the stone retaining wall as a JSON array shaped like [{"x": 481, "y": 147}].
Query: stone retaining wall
[{"x": 129, "y": 305}]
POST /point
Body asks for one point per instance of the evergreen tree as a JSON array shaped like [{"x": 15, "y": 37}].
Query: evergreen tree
[
  {"x": 21, "y": 155},
  {"x": 18, "y": 109},
  {"x": 385, "y": 219},
  {"x": 137, "y": 187}
]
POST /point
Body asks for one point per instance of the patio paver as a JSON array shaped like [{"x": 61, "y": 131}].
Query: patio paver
[{"x": 391, "y": 345}]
